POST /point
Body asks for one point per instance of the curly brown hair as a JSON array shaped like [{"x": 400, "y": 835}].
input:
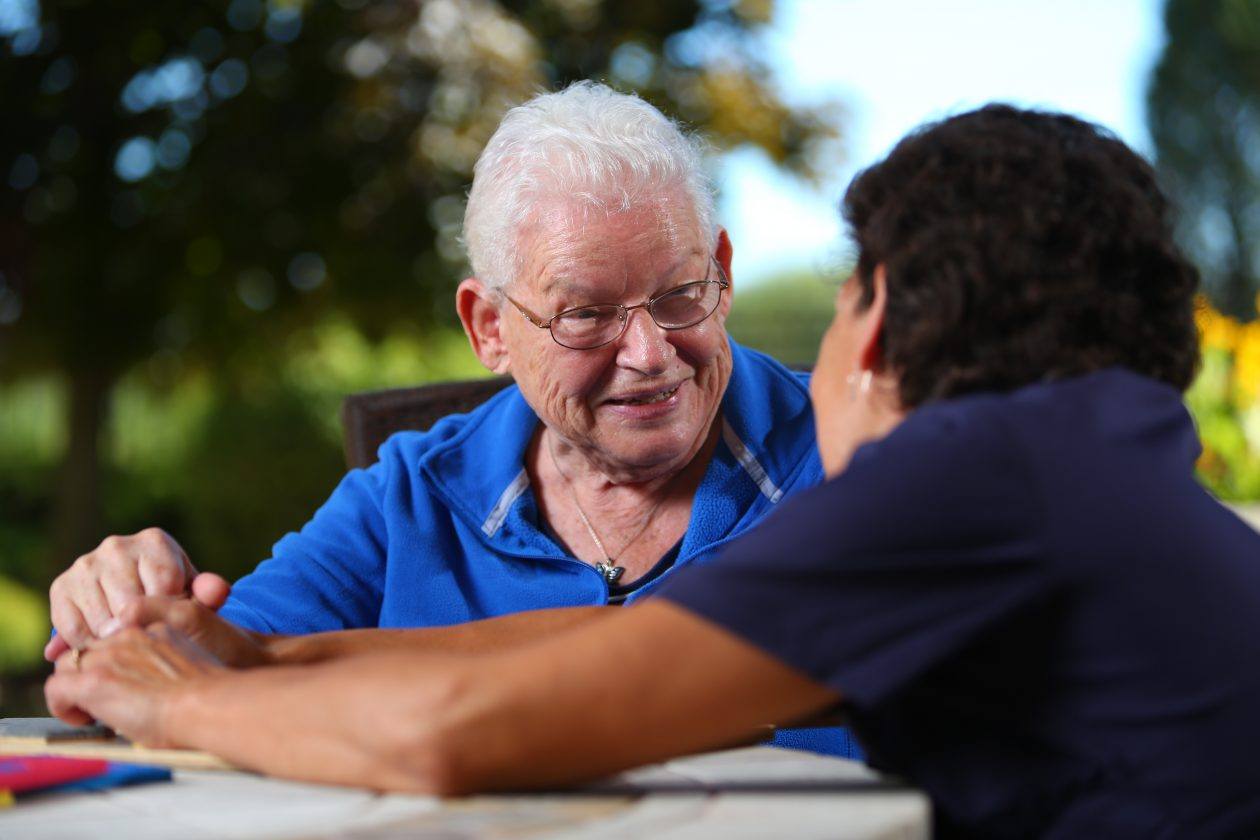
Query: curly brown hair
[{"x": 1021, "y": 246}]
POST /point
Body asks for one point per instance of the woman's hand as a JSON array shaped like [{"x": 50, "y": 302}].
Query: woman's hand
[
  {"x": 129, "y": 682},
  {"x": 191, "y": 617}
]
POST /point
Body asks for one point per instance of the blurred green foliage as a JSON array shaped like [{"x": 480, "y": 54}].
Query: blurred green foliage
[
  {"x": 23, "y": 626},
  {"x": 786, "y": 315},
  {"x": 1230, "y": 461}
]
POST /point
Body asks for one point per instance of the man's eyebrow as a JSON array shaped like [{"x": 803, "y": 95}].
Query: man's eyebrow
[
  {"x": 569, "y": 285},
  {"x": 682, "y": 260},
  {"x": 572, "y": 286}
]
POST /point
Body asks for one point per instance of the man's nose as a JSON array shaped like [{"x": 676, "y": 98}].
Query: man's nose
[{"x": 644, "y": 346}]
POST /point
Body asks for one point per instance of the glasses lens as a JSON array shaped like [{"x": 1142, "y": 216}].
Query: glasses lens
[
  {"x": 687, "y": 305},
  {"x": 589, "y": 326}
]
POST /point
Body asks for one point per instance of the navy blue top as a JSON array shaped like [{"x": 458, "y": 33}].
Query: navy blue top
[{"x": 1032, "y": 610}]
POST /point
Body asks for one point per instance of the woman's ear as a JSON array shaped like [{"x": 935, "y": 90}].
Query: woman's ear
[
  {"x": 480, "y": 314},
  {"x": 871, "y": 324}
]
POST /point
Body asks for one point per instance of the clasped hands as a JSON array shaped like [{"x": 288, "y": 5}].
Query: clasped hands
[{"x": 136, "y": 627}]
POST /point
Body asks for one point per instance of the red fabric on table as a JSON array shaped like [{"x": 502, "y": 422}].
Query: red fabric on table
[{"x": 19, "y": 774}]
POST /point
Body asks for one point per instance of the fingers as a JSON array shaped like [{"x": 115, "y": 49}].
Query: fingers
[
  {"x": 62, "y": 692},
  {"x": 210, "y": 589},
  {"x": 140, "y": 612},
  {"x": 124, "y": 681},
  {"x": 72, "y": 627},
  {"x": 178, "y": 612},
  {"x": 94, "y": 608},
  {"x": 85, "y": 598},
  {"x": 163, "y": 567},
  {"x": 80, "y": 684},
  {"x": 56, "y": 647},
  {"x": 120, "y": 582},
  {"x": 215, "y": 637}
]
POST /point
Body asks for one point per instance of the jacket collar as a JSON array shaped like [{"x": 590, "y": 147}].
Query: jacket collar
[{"x": 767, "y": 439}]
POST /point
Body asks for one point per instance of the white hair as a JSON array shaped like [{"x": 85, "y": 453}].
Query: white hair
[{"x": 609, "y": 151}]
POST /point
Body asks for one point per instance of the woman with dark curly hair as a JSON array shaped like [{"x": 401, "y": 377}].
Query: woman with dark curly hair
[{"x": 1011, "y": 582}]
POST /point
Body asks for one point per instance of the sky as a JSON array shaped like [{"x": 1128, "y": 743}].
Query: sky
[{"x": 895, "y": 64}]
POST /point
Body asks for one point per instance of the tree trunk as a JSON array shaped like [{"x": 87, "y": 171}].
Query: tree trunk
[
  {"x": 77, "y": 517},
  {"x": 1237, "y": 298},
  {"x": 1237, "y": 293}
]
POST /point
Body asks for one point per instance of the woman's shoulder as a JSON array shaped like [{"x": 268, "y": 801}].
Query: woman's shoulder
[
  {"x": 1030, "y": 451},
  {"x": 940, "y": 436},
  {"x": 946, "y": 465},
  {"x": 1101, "y": 404}
]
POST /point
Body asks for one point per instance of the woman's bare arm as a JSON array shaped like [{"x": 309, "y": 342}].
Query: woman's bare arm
[
  {"x": 241, "y": 648},
  {"x": 634, "y": 686},
  {"x": 484, "y": 636}
]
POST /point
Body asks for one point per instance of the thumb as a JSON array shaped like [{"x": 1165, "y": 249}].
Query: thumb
[
  {"x": 210, "y": 589},
  {"x": 56, "y": 646}
]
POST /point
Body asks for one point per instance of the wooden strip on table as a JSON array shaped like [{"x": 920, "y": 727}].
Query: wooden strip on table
[{"x": 115, "y": 750}]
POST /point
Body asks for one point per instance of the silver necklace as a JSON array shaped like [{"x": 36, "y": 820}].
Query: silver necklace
[{"x": 608, "y": 568}]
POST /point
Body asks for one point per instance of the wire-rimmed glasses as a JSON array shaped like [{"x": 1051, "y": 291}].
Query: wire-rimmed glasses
[{"x": 597, "y": 324}]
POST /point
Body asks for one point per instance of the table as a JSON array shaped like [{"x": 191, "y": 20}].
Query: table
[
  {"x": 1249, "y": 514},
  {"x": 754, "y": 792}
]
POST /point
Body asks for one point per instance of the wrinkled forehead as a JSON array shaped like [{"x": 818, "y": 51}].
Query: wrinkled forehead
[{"x": 575, "y": 239}]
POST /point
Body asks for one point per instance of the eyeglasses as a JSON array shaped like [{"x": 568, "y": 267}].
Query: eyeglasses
[{"x": 597, "y": 324}]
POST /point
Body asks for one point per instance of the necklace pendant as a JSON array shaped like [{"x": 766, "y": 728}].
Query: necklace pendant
[{"x": 611, "y": 572}]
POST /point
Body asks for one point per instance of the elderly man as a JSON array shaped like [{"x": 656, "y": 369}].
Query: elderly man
[{"x": 637, "y": 439}]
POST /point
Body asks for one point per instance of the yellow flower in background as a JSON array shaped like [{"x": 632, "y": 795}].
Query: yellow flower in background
[
  {"x": 1247, "y": 364},
  {"x": 1216, "y": 331},
  {"x": 1225, "y": 402}
]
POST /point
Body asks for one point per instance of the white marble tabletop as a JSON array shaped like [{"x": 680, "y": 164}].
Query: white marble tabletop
[{"x": 746, "y": 793}]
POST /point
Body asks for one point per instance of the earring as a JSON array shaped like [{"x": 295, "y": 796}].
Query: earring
[{"x": 859, "y": 383}]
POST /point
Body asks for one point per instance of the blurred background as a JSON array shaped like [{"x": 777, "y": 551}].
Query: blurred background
[{"x": 218, "y": 219}]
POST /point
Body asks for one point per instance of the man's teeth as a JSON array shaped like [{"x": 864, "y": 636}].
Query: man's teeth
[{"x": 660, "y": 396}]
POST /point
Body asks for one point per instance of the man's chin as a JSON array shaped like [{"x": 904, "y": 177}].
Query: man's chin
[{"x": 650, "y": 459}]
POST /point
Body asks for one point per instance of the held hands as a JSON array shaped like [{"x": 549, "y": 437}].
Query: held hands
[
  {"x": 86, "y": 598},
  {"x": 196, "y": 619},
  {"x": 129, "y": 681},
  {"x": 140, "y": 580}
]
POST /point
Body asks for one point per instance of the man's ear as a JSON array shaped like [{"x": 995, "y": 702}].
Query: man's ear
[
  {"x": 479, "y": 313},
  {"x": 871, "y": 324},
  {"x": 723, "y": 254}
]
